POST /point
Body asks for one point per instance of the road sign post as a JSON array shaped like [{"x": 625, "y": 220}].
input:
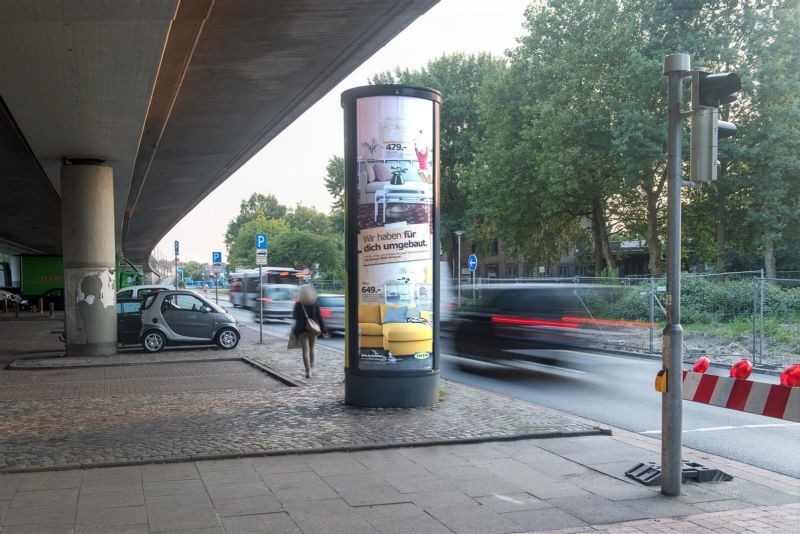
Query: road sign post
[
  {"x": 177, "y": 249},
  {"x": 262, "y": 244},
  {"x": 472, "y": 263},
  {"x": 216, "y": 259}
]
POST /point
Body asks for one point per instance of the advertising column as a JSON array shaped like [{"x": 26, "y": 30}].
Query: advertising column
[{"x": 391, "y": 204}]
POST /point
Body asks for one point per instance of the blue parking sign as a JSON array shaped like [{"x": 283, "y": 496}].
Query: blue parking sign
[
  {"x": 177, "y": 247},
  {"x": 216, "y": 258},
  {"x": 261, "y": 241}
]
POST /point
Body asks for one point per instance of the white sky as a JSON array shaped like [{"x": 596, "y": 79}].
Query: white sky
[{"x": 292, "y": 166}]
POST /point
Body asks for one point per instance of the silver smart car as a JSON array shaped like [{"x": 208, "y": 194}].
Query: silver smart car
[{"x": 184, "y": 317}]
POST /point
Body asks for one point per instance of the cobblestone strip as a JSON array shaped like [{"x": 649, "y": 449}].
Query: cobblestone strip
[{"x": 776, "y": 519}]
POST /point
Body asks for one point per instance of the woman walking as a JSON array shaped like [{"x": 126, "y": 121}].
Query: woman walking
[{"x": 308, "y": 324}]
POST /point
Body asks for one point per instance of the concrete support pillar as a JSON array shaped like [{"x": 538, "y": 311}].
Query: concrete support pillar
[{"x": 87, "y": 221}]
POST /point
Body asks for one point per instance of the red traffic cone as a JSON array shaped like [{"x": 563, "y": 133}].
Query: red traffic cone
[
  {"x": 701, "y": 365},
  {"x": 741, "y": 369},
  {"x": 791, "y": 376}
]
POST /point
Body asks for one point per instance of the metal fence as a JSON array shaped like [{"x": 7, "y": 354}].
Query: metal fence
[
  {"x": 329, "y": 286},
  {"x": 726, "y": 316}
]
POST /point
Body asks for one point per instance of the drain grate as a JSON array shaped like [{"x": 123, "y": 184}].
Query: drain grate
[{"x": 649, "y": 473}]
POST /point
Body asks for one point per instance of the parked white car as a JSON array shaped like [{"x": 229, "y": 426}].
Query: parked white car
[{"x": 140, "y": 292}]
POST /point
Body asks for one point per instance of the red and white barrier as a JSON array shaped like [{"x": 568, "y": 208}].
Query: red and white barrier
[{"x": 772, "y": 400}]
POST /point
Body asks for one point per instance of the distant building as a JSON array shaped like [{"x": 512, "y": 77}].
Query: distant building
[{"x": 631, "y": 256}]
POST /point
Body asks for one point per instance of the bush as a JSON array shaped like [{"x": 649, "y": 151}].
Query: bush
[{"x": 704, "y": 300}]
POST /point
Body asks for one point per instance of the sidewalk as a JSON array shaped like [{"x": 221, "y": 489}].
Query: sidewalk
[
  {"x": 136, "y": 410},
  {"x": 481, "y": 488}
]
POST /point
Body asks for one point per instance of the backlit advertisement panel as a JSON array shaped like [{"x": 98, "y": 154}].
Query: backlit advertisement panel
[{"x": 395, "y": 231}]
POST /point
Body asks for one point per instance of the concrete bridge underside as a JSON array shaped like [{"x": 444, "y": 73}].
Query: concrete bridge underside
[
  {"x": 174, "y": 96},
  {"x": 117, "y": 118}
]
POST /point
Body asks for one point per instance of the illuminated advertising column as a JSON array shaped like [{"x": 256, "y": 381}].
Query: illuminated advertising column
[{"x": 392, "y": 245}]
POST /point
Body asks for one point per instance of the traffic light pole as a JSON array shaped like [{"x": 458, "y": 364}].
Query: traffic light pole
[{"x": 675, "y": 68}]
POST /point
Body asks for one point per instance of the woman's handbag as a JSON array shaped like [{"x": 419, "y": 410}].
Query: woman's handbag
[
  {"x": 311, "y": 324},
  {"x": 294, "y": 342}
]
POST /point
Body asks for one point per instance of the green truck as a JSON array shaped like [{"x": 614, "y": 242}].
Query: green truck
[{"x": 37, "y": 274}]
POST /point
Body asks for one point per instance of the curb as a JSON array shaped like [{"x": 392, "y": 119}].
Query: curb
[
  {"x": 118, "y": 364},
  {"x": 274, "y": 373},
  {"x": 319, "y": 450}
]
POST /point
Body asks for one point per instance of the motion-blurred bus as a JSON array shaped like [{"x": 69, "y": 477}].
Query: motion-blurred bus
[{"x": 244, "y": 285}]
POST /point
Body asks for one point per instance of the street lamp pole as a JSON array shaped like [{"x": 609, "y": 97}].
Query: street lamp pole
[{"x": 459, "y": 233}]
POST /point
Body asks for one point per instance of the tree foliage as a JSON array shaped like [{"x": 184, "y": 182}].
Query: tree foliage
[
  {"x": 334, "y": 181},
  {"x": 307, "y": 219},
  {"x": 572, "y": 133},
  {"x": 250, "y": 209},
  {"x": 301, "y": 248},
  {"x": 242, "y": 252},
  {"x": 298, "y": 237}
]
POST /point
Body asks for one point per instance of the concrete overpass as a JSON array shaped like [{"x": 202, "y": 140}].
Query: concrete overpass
[{"x": 125, "y": 115}]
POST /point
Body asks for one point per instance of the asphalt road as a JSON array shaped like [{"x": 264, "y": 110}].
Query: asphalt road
[{"x": 618, "y": 391}]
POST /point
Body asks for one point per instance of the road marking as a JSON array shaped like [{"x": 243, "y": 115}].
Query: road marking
[
  {"x": 525, "y": 364},
  {"x": 506, "y": 498},
  {"x": 715, "y": 428}
]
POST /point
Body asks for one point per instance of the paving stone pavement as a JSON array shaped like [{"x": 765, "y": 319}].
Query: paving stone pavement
[
  {"x": 154, "y": 378},
  {"x": 498, "y": 487},
  {"x": 106, "y": 425},
  {"x": 21, "y": 337}
]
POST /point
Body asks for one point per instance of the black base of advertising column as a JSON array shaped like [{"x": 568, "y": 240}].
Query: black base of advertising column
[
  {"x": 392, "y": 245},
  {"x": 382, "y": 390}
]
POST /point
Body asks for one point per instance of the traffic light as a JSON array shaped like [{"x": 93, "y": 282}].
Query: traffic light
[{"x": 709, "y": 91}]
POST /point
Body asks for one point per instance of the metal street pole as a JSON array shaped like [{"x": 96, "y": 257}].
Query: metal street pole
[
  {"x": 176, "y": 271},
  {"x": 473, "y": 287},
  {"x": 260, "y": 307},
  {"x": 761, "y": 322},
  {"x": 459, "y": 233},
  {"x": 675, "y": 68},
  {"x": 755, "y": 313},
  {"x": 216, "y": 288},
  {"x": 651, "y": 313}
]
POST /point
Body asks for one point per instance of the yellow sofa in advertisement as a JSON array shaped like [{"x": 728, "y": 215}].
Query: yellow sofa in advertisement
[{"x": 402, "y": 339}]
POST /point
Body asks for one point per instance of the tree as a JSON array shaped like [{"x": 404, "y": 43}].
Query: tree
[
  {"x": 309, "y": 219},
  {"x": 458, "y": 77},
  {"x": 574, "y": 129},
  {"x": 334, "y": 181},
  {"x": 301, "y": 248},
  {"x": 546, "y": 167},
  {"x": 772, "y": 136},
  {"x": 193, "y": 270},
  {"x": 242, "y": 252},
  {"x": 249, "y": 210}
]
